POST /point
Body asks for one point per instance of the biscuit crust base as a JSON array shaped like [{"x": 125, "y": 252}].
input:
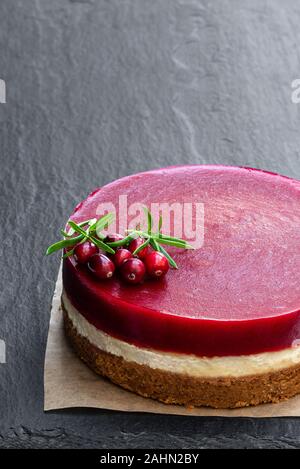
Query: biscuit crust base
[{"x": 174, "y": 388}]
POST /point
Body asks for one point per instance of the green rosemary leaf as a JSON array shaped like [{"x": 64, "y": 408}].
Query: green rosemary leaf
[
  {"x": 64, "y": 243},
  {"x": 154, "y": 244},
  {"x": 92, "y": 232},
  {"x": 172, "y": 238},
  {"x": 68, "y": 254},
  {"x": 142, "y": 246},
  {"x": 101, "y": 245},
  {"x": 81, "y": 224},
  {"x": 70, "y": 233},
  {"x": 94, "y": 240},
  {"x": 160, "y": 224},
  {"x": 149, "y": 220},
  {"x": 56, "y": 247},
  {"x": 167, "y": 255},
  {"x": 92, "y": 225},
  {"x": 103, "y": 222},
  {"x": 159, "y": 237},
  {"x": 92, "y": 222},
  {"x": 76, "y": 227},
  {"x": 122, "y": 242},
  {"x": 138, "y": 234},
  {"x": 171, "y": 241},
  {"x": 65, "y": 234},
  {"x": 176, "y": 243}
]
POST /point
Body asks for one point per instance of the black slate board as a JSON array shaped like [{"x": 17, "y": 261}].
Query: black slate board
[{"x": 100, "y": 89}]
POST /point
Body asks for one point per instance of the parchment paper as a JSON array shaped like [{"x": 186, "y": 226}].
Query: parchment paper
[{"x": 68, "y": 382}]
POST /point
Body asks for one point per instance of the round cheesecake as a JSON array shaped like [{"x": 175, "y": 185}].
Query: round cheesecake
[{"x": 224, "y": 329}]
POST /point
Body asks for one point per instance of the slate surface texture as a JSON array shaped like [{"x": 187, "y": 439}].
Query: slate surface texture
[{"x": 98, "y": 89}]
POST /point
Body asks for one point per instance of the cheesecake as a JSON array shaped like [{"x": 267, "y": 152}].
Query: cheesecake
[{"x": 222, "y": 330}]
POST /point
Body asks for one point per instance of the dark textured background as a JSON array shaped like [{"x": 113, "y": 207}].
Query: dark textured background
[{"x": 99, "y": 89}]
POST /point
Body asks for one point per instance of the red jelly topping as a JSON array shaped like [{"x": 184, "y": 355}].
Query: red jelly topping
[{"x": 238, "y": 294}]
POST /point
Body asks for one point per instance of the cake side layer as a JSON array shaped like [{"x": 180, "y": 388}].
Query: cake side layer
[
  {"x": 174, "y": 388},
  {"x": 202, "y": 337},
  {"x": 213, "y": 367}
]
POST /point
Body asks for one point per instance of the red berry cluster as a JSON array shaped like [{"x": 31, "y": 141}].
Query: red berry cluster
[{"x": 132, "y": 268}]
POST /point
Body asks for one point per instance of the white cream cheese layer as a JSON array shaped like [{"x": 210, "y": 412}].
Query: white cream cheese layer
[{"x": 192, "y": 365}]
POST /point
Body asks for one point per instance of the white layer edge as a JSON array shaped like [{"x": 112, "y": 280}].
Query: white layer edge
[{"x": 212, "y": 367}]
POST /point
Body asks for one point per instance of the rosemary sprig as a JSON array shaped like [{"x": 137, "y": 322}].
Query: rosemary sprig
[{"x": 93, "y": 228}]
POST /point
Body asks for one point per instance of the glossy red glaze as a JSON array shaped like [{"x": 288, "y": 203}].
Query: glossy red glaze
[{"x": 238, "y": 294}]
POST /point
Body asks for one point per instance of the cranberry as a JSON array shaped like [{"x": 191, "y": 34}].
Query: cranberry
[
  {"x": 84, "y": 251},
  {"x": 113, "y": 237},
  {"x": 157, "y": 265},
  {"x": 120, "y": 256},
  {"x": 136, "y": 243},
  {"x": 133, "y": 270},
  {"x": 101, "y": 266}
]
